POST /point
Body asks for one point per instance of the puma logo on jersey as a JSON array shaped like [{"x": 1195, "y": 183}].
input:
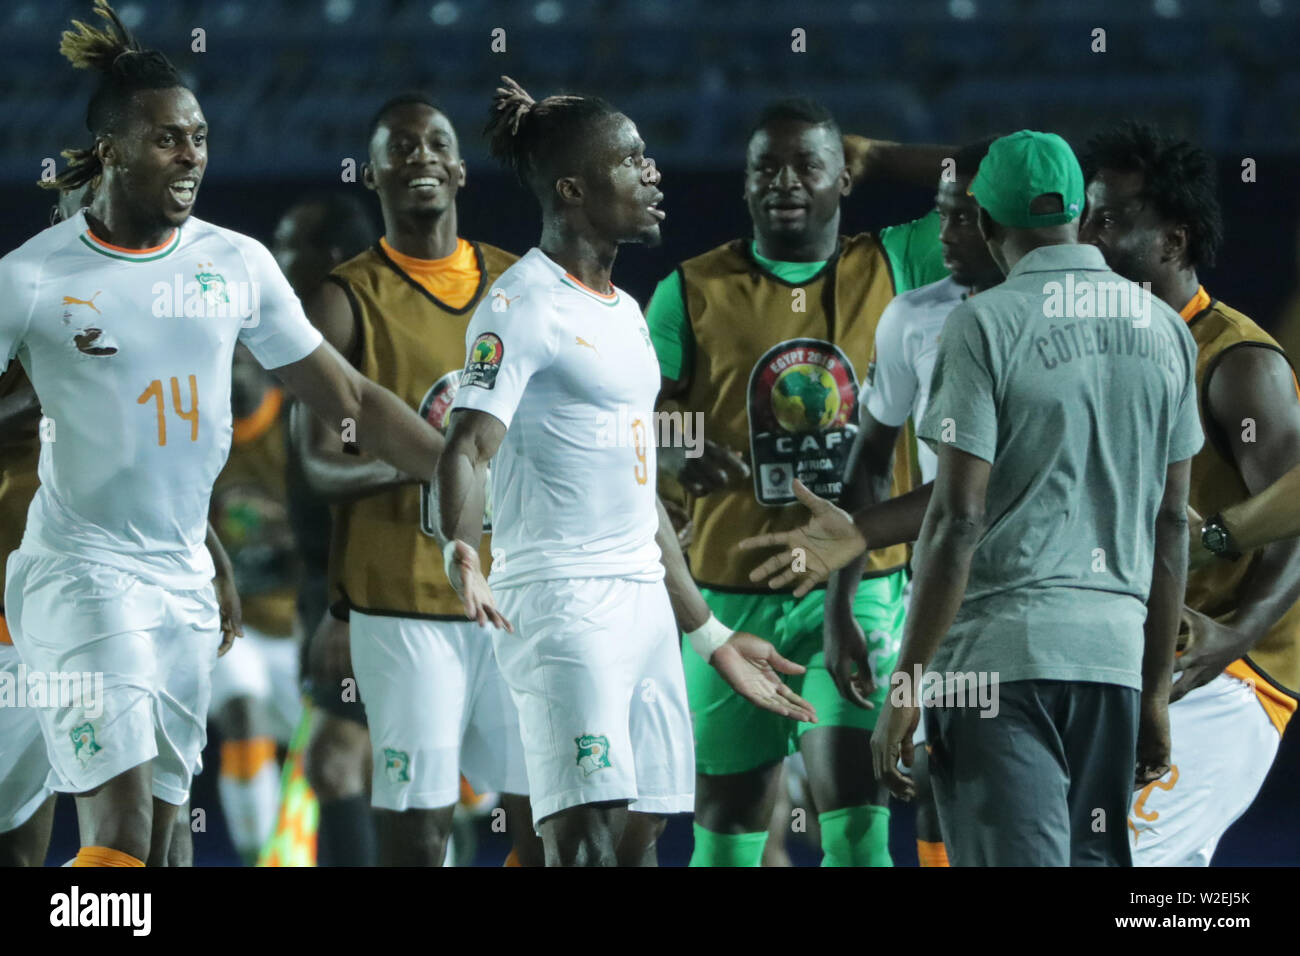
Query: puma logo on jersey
[
  {"x": 86, "y": 340},
  {"x": 579, "y": 340},
  {"x": 73, "y": 300},
  {"x": 501, "y": 301}
]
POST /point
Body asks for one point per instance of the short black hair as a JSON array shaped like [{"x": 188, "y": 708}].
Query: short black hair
[
  {"x": 970, "y": 156},
  {"x": 798, "y": 109},
  {"x": 345, "y": 224},
  {"x": 125, "y": 68},
  {"x": 538, "y": 138},
  {"x": 1178, "y": 180},
  {"x": 411, "y": 97}
]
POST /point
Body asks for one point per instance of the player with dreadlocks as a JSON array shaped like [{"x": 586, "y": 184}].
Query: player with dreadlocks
[
  {"x": 1153, "y": 212},
  {"x": 561, "y": 379},
  {"x": 112, "y": 576}
]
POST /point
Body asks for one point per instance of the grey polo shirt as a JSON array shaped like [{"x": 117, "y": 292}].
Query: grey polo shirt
[{"x": 1080, "y": 392}]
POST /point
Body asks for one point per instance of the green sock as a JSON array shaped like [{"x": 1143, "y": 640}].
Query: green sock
[
  {"x": 719, "y": 849},
  {"x": 855, "y": 836}
]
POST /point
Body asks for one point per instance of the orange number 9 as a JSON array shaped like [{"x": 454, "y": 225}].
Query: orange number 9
[{"x": 642, "y": 469}]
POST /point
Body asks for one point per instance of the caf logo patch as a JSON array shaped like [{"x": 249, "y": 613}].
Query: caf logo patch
[
  {"x": 484, "y": 361},
  {"x": 803, "y": 409}
]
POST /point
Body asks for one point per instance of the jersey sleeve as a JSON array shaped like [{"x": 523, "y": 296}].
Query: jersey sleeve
[
  {"x": 278, "y": 332},
  {"x": 891, "y": 379},
  {"x": 670, "y": 328},
  {"x": 915, "y": 255},
  {"x": 506, "y": 344},
  {"x": 18, "y": 281},
  {"x": 962, "y": 410},
  {"x": 1186, "y": 438}
]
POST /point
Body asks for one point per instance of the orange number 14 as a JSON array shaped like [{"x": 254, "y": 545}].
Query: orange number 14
[{"x": 155, "y": 391}]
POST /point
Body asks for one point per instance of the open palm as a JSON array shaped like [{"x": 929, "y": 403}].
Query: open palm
[
  {"x": 811, "y": 553},
  {"x": 753, "y": 668}
]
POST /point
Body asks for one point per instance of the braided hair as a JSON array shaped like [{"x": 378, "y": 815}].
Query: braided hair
[
  {"x": 125, "y": 67},
  {"x": 539, "y": 139}
]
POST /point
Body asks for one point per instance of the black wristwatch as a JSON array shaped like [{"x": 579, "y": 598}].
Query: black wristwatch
[{"x": 1217, "y": 539}]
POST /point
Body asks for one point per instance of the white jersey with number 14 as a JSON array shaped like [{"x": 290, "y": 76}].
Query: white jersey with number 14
[{"x": 130, "y": 354}]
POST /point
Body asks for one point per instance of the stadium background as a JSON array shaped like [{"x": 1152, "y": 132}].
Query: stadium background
[{"x": 289, "y": 85}]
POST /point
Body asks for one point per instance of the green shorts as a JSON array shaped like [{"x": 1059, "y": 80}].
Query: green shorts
[{"x": 731, "y": 734}]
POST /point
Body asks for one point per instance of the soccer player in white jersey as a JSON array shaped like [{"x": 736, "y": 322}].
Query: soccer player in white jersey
[
  {"x": 125, "y": 317},
  {"x": 898, "y": 389},
  {"x": 562, "y": 379}
]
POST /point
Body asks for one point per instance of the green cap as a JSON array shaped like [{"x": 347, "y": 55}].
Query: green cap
[{"x": 1021, "y": 167}]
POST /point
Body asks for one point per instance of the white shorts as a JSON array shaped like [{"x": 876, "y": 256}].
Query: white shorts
[
  {"x": 595, "y": 669},
  {"x": 1223, "y": 746},
  {"x": 265, "y": 669},
  {"x": 437, "y": 707},
  {"x": 23, "y": 763},
  {"x": 153, "y": 649}
]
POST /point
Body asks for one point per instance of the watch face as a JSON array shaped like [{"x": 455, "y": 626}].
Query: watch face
[{"x": 1214, "y": 539}]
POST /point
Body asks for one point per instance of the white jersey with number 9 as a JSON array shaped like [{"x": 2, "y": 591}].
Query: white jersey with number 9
[{"x": 573, "y": 376}]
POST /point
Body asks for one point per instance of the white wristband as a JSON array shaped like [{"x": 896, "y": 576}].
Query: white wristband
[
  {"x": 709, "y": 636},
  {"x": 448, "y": 557}
]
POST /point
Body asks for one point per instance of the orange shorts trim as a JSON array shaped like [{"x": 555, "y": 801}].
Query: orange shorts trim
[
  {"x": 932, "y": 854},
  {"x": 104, "y": 856},
  {"x": 1279, "y": 706},
  {"x": 244, "y": 759}
]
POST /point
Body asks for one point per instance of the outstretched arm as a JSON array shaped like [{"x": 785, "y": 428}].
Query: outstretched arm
[
  {"x": 953, "y": 526},
  {"x": 843, "y": 642},
  {"x": 384, "y": 424},
  {"x": 689, "y": 607},
  {"x": 750, "y": 664},
  {"x": 1272, "y": 515},
  {"x": 883, "y": 159},
  {"x": 460, "y": 486},
  {"x": 332, "y": 472},
  {"x": 459, "y": 491},
  {"x": 1251, "y": 384}
]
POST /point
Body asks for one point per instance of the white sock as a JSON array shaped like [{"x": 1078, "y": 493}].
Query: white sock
[{"x": 251, "y": 807}]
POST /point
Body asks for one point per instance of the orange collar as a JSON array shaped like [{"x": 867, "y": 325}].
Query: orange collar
[
  {"x": 453, "y": 280},
  {"x": 1200, "y": 302},
  {"x": 461, "y": 256},
  {"x": 254, "y": 425}
]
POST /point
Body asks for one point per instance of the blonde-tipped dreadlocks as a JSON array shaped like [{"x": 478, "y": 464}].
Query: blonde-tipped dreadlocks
[
  {"x": 126, "y": 68},
  {"x": 536, "y": 137}
]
